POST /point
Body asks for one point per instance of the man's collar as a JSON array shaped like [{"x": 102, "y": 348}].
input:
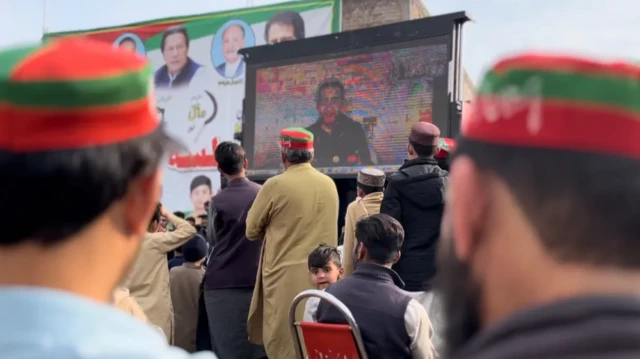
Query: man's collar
[{"x": 372, "y": 270}]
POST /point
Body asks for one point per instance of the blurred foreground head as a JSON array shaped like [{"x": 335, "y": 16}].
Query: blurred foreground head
[
  {"x": 80, "y": 142},
  {"x": 544, "y": 191}
]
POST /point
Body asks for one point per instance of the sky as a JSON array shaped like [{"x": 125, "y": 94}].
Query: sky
[{"x": 501, "y": 27}]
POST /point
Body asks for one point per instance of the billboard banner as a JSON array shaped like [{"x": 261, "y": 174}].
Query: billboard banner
[{"x": 199, "y": 79}]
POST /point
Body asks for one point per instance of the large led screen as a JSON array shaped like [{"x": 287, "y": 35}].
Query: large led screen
[{"x": 360, "y": 108}]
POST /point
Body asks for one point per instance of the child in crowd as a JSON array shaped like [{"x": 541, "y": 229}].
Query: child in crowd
[
  {"x": 185, "y": 292},
  {"x": 325, "y": 267}
]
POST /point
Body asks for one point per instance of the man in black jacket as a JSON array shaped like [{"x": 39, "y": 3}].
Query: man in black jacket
[{"x": 415, "y": 197}]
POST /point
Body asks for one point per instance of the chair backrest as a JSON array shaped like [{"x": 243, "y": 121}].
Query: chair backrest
[{"x": 326, "y": 341}]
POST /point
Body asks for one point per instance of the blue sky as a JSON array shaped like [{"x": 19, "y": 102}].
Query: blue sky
[{"x": 502, "y": 26}]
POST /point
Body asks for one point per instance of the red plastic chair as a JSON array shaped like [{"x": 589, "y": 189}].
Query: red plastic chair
[{"x": 326, "y": 341}]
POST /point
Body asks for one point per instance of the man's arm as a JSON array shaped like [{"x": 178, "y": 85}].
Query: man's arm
[
  {"x": 259, "y": 214},
  {"x": 211, "y": 224},
  {"x": 349, "y": 240},
  {"x": 391, "y": 203},
  {"x": 420, "y": 331},
  {"x": 168, "y": 241}
]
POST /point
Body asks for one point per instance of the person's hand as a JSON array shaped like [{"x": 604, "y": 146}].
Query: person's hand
[{"x": 164, "y": 211}]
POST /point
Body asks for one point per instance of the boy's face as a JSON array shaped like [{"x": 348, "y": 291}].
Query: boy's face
[{"x": 326, "y": 275}]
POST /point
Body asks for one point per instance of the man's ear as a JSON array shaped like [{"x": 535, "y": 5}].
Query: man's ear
[
  {"x": 467, "y": 201},
  {"x": 141, "y": 200},
  {"x": 397, "y": 258},
  {"x": 410, "y": 149},
  {"x": 245, "y": 163}
]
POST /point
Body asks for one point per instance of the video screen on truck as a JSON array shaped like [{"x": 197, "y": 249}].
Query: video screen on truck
[{"x": 359, "y": 107}]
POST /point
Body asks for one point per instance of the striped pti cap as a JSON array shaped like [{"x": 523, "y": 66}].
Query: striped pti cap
[
  {"x": 73, "y": 93},
  {"x": 296, "y": 138},
  {"x": 557, "y": 102}
]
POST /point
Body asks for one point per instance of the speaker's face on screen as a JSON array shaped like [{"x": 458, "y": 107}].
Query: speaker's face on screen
[{"x": 329, "y": 103}]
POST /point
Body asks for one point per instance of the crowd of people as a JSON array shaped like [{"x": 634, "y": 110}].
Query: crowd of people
[{"x": 536, "y": 246}]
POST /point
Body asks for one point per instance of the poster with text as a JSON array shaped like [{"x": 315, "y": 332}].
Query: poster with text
[{"x": 199, "y": 80}]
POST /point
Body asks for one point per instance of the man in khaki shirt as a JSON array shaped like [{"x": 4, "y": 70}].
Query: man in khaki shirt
[
  {"x": 148, "y": 281},
  {"x": 370, "y": 193}
]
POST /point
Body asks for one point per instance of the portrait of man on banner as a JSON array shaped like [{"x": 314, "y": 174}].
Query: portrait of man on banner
[
  {"x": 179, "y": 69},
  {"x": 131, "y": 42},
  {"x": 232, "y": 36},
  {"x": 284, "y": 26}
]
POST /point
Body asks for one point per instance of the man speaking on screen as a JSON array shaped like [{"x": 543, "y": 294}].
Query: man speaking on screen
[{"x": 339, "y": 140}]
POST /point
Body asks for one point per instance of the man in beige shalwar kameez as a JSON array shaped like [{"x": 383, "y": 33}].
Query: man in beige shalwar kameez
[
  {"x": 294, "y": 212},
  {"x": 148, "y": 282},
  {"x": 370, "y": 193}
]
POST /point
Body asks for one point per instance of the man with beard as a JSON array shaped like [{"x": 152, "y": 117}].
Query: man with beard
[
  {"x": 339, "y": 140},
  {"x": 540, "y": 234},
  {"x": 392, "y": 324},
  {"x": 58, "y": 275}
]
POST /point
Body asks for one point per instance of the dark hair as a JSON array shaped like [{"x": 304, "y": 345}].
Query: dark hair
[
  {"x": 382, "y": 235},
  {"x": 203, "y": 216},
  {"x": 329, "y": 83},
  {"x": 244, "y": 34},
  {"x": 323, "y": 255},
  {"x": 190, "y": 219},
  {"x": 177, "y": 29},
  {"x": 287, "y": 18},
  {"x": 369, "y": 189},
  {"x": 230, "y": 157},
  {"x": 584, "y": 206},
  {"x": 422, "y": 150},
  {"x": 195, "y": 249},
  {"x": 128, "y": 38},
  {"x": 179, "y": 214},
  {"x": 81, "y": 183},
  {"x": 157, "y": 213},
  {"x": 198, "y": 181}
]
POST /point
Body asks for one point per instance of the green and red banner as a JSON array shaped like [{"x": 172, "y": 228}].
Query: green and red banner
[{"x": 199, "y": 79}]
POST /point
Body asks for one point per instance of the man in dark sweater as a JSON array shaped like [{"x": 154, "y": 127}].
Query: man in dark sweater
[
  {"x": 540, "y": 238},
  {"x": 393, "y": 325},
  {"x": 233, "y": 264}
]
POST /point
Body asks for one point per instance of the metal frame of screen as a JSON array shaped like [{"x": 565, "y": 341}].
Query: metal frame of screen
[{"x": 447, "y": 96}]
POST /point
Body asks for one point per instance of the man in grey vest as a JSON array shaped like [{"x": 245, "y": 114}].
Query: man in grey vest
[{"x": 392, "y": 324}]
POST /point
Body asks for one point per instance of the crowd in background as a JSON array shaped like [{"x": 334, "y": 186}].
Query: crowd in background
[{"x": 535, "y": 225}]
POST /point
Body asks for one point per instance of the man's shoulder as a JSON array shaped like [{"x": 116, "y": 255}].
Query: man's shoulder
[
  {"x": 221, "y": 67},
  {"x": 418, "y": 170}
]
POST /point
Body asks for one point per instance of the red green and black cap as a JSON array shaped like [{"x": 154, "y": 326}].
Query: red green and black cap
[
  {"x": 296, "y": 138},
  {"x": 558, "y": 102},
  {"x": 73, "y": 93}
]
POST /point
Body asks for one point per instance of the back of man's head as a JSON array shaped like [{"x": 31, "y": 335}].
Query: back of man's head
[
  {"x": 379, "y": 239},
  {"x": 540, "y": 183},
  {"x": 98, "y": 179},
  {"x": 231, "y": 158}
]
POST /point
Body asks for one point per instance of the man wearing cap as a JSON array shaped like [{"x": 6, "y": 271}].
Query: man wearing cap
[
  {"x": 540, "y": 238},
  {"x": 370, "y": 187},
  {"x": 415, "y": 197},
  {"x": 58, "y": 275},
  {"x": 293, "y": 213}
]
